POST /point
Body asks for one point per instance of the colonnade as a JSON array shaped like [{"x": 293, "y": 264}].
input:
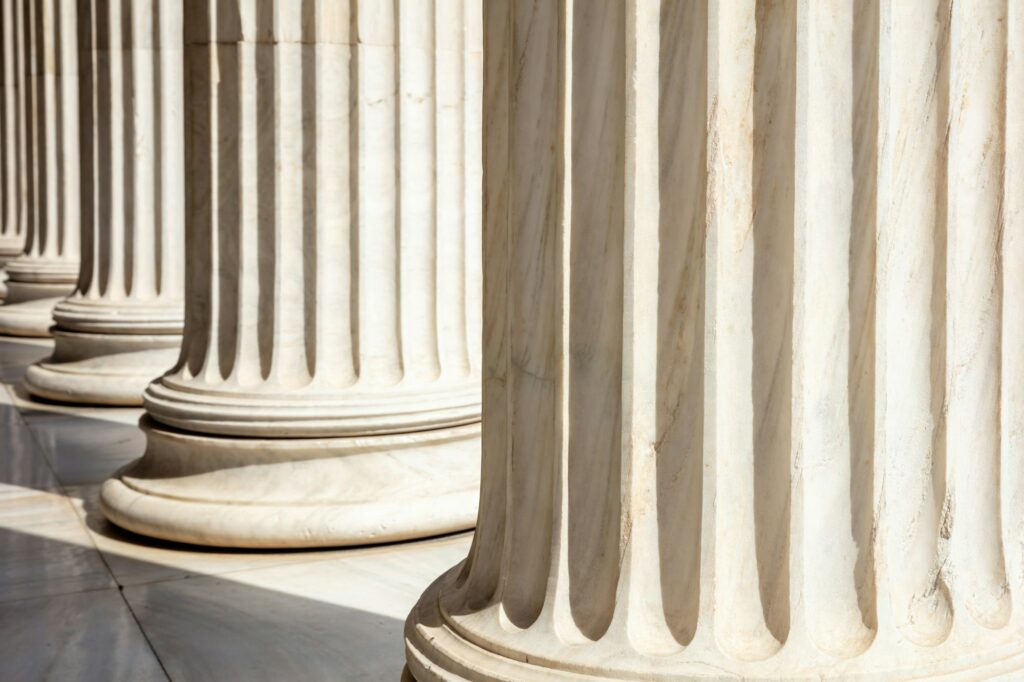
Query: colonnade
[
  {"x": 41, "y": 182},
  {"x": 734, "y": 286},
  {"x": 122, "y": 325},
  {"x": 12, "y": 182}
]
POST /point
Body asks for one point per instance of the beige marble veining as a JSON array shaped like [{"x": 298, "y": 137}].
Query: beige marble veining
[{"x": 751, "y": 386}]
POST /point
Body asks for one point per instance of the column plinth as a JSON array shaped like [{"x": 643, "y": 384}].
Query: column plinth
[
  {"x": 48, "y": 174},
  {"x": 302, "y": 492},
  {"x": 122, "y": 326},
  {"x": 751, "y": 369},
  {"x": 327, "y": 391}
]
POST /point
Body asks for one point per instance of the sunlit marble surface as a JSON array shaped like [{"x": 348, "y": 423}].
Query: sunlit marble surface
[{"x": 81, "y": 599}]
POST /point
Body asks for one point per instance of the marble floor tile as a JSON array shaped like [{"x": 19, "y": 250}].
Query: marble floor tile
[
  {"x": 90, "y": 636},
  {"x": 89, "y": 446},
  {"x": 18, "y": 353},
  {"x": 21, "y": 465},
  {"x": 210, "y": 614},
  {"x": 339, "y": 619},
  {"x": 44, "y": 550}
]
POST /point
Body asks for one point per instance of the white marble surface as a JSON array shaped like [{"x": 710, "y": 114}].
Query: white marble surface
[
  {"x": 752, "y": 379},
  {"x": 12, "y": 136},
  {"x": 339, "y": 619},
  {"x": 328, "y": 386},
  {"x": 46, "y": 42},
  {"x": 121, "y": 328},
  {"x": 81, "y": 599}
]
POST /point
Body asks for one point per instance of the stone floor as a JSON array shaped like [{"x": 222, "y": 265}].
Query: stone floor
[{"x": 82, "y": 600}]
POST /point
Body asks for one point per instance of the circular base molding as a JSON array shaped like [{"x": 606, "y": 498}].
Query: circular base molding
[
  {"x": 480, "y": 646},
  {"x": 101, "y": 369},
  {"x": 310, "y": 492},
  {"x": 11, "y": 247},
  {"x": 348, "y": 412},
  {"x": 30, "y": 317},
  {"x": 158, "y": 318},
  {"x": 44, "y": 272}
]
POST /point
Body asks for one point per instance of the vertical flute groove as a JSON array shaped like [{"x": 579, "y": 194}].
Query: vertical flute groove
[
  {"x": 322, "y": 201},
  {"x": 418, "y": 188},
  {"x": 1011, "y": 446},
  {"x": 51, "y": 162},
  {"x": 12, "y": 231},
  {"x": 974, "y": 299},
  {"x": 752, "y": 293}
]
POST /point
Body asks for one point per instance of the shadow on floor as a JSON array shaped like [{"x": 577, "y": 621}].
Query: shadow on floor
[
  {"x": 87, "y": 607},
  {"x": 208, "y": 628}
]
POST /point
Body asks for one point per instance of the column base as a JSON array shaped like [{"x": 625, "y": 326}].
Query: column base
[
  {"x": 34, "y": 287},
  {"x": 351, "y": 411},
  {"x": 10, "y": 248},
  {"x": 309, "y": 492},
  {"x": 32, "y": 317},
  {"x": 101, "y": 369},
  {"x": 32, "y": 278},
  {"x": 439, "y": 651}
]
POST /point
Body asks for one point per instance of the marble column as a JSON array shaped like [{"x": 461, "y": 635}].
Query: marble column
[
  {"x": 12, "y": 138},
  {"x": 122, "y": 325},
  {"x": 328, "y": 387},
  {"x": 47, "y": 269},
  {"x": 752, "y": 318}
]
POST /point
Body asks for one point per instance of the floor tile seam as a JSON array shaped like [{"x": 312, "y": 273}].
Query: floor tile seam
[
  {"x": 37, "y": 446},
  {"x": 145, "y": 635},
  {"x": 198, "y": 575},
  {"x": 57, "y": 595},
  {"x": 63, "y": 489}
]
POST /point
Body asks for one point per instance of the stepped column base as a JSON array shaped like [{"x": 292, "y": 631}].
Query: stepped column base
[
  {"x": 10, "y": 248},
  {"x": 106, "y": 354},
  {"x": 34, "y": 287},
  {"x": 101, "y": 369},
  {"x": 446, "y": 645},
  {"x": 28, "y": 318},
  {"x": 297, "y": 492}
]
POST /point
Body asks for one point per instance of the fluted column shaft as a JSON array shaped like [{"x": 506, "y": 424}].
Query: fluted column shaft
[
  {"x": 122, "y": 325},
  {"x": 333, "y": 235},
  {"x": 332, "y": 232},
  {"x": 12, "y": 137},
  {"x": 48, "y": 265},
  {"x": 751, "y": 310},
  {"x": 133, "y": 244}
]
